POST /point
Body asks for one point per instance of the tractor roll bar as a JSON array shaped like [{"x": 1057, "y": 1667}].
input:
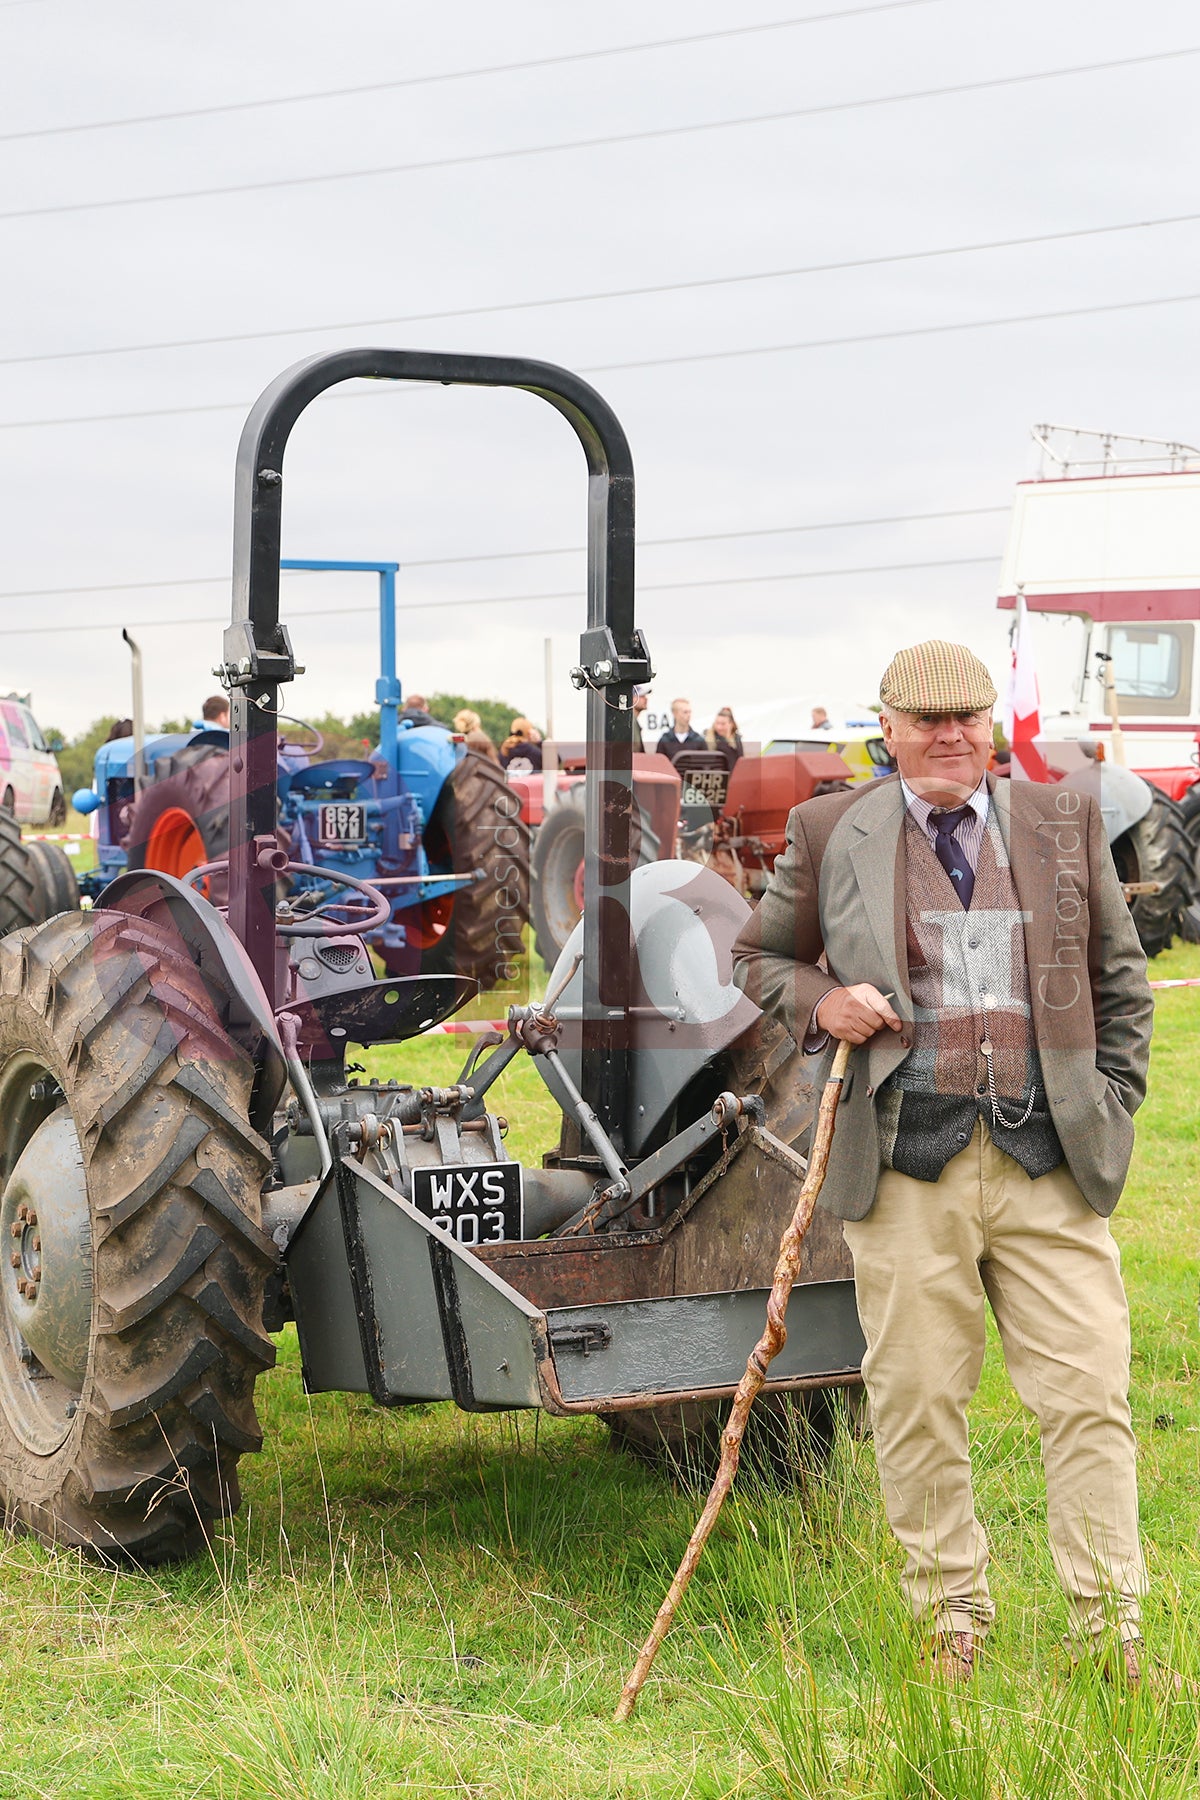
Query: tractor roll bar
[{"x": 258, "y": 657}]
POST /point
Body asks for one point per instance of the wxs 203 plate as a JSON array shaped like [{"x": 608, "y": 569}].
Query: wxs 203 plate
[
  {"x": 342, "y": 822},
  {"x": 481, "y": 1204}
]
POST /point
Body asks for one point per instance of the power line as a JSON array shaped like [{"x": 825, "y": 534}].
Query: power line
[
  {"x": 411, "y": 81},
  {"x": 666, "y": 287},
  {"x": 654, "y": 362},
  {"x": 659, "y": 132},
  {"x": 650, "y": 587},
  {"x": 911, "y": 331},
  {"x": 438, "y": 562}
]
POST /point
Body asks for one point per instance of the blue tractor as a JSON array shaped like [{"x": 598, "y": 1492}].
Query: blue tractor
[{"x": 427, "y": 821}]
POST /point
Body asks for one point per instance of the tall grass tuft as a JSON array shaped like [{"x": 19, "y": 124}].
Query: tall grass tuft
[{"x": 841, "y": 1701}]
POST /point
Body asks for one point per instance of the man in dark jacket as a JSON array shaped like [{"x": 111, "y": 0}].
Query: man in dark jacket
[
  {"x": 416, "y": 712},
  {"x": 680, "y": 736}
]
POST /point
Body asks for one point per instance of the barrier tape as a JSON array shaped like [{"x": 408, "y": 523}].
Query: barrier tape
[
  {"x": 467, "y": 1025},
  {"x": 482, "y": 1025}
]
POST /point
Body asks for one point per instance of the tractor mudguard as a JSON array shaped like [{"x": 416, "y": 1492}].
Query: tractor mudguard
[
  {"x": 224, "y": 969},
  {"x": 425, "y": 756},
  {"x": 684, "y": 919},
  {"x": 1122, "y": 795}
]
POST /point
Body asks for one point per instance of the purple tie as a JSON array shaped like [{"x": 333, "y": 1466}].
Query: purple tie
[{"x": 950, "y": 852}]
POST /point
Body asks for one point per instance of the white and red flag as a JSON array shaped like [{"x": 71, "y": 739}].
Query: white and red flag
[{"x": 1022, "y": 709}]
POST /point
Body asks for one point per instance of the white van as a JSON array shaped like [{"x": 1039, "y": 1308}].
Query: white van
[{"x": 30, "y": 784}]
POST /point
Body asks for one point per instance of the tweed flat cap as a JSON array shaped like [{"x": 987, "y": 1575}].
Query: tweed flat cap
[{"x": 936, "y": 677}]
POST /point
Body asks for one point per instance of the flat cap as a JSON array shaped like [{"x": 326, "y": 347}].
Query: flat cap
[{"x": 936, "y": 677}]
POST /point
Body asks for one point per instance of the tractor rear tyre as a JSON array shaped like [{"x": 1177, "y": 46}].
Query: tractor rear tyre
[
  {"x": 131, "y": 1306},
  {"x": 556, "y": 885},
  {"x": 58, "y": 890},
  {"x": 1158, "y": 849},
  {"x": 1189, "y": 808},
  {"x": 21, "y": 899},
  {"x": 181, "y": 820},
  {"x": 477, "y": 824}
]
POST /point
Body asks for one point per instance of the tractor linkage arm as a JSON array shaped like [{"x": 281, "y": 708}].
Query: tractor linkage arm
[{"x": 535, "y": 1029}]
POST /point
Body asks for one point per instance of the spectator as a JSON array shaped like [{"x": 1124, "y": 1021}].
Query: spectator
[
  {"x": 120, "y": 728},
  {"x": 215, "y": 712},
  {"x": 465, "y": 720},
  {"x": 681, "y": 736},
  {"x": 820, "y": 719},
  {"x": 723, "y": 735},
  {"x": 641, "y": 698},
  {"x": 481, "y": 744},
  {"x": 416, "y": 712},
  {"x": 521, "y": 751}
]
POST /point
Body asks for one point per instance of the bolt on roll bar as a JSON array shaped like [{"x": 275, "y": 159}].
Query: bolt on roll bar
[{"x": 258, "y": 658}]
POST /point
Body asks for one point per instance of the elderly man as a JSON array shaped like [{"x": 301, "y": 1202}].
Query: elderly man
[{"x": 972, "y": 938}]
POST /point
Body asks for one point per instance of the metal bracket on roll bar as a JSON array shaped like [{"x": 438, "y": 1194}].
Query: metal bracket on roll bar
[
  {"x": 247, "y": 662},
  {"x": 602, "y": 664}
]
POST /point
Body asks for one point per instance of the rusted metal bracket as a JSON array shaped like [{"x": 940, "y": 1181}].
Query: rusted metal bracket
[
  {"x": 594, "y": 1334},
  {"x": 777, "y": 1152},
  {"x": 728, "y": 1112}
]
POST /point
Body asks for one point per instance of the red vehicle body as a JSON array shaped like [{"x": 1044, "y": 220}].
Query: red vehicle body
[{"x": 734, "y": 821}]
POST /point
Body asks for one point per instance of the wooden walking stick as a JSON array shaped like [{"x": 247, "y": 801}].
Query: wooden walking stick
[{"x": 767, "y": 1348}]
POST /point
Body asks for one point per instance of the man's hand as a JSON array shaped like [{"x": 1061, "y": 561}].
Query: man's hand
[{"x": 854, "y": 1013}]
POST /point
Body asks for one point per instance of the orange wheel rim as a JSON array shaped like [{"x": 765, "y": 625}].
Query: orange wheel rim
[
  {"x": 175, "y": 846},
  {"x": 426, "y": 925}
]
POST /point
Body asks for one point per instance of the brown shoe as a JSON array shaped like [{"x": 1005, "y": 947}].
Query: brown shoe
[
  {"x": 953, "y": 1655},
  {"x": 1127, "y": 1669},
  {"x": 1119, "y": 1664},
  {"x": 1131, "y": 1672}
]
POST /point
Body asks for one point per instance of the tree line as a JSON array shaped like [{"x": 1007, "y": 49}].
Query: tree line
[{"x": 342, "y": 737}]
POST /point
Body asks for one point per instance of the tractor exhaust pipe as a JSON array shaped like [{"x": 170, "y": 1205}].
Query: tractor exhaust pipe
[{"x": 139, "y": 716}]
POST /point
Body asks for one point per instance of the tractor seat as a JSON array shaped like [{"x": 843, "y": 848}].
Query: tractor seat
[
  {"x": 340, "y": 778},
  {"x": 379, "y": 1012}
]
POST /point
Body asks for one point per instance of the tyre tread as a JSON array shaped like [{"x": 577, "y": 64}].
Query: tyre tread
[{"x": 180, "y": 1260}]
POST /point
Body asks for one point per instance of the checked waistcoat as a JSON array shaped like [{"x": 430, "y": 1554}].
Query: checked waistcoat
[{"x": 969, "y": 982}]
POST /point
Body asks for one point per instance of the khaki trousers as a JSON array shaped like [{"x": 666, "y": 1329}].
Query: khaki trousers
[{"x": 925, "y": 1259}]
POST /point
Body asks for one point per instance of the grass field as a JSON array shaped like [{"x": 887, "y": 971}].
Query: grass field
[{"x": 426, "y": 1603}]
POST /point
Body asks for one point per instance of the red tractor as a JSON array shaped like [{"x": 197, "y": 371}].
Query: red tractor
[{"x": 735, "y": 821}]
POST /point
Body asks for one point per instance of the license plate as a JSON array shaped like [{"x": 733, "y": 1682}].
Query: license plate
[
  {"x": 705, "y": 787},
  {"x": 481, "y": 1204},
  {"x": 342, "y": 822}
]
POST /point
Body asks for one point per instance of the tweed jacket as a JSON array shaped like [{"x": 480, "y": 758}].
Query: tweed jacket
[{"x": 837, "y": 896}]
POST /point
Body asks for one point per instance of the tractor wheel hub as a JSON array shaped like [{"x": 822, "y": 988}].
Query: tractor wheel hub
[{"x": 45, "y": 1223}]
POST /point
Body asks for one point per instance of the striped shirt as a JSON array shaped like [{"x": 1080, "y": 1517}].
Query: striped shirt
[{"x": 969, "y": 835}]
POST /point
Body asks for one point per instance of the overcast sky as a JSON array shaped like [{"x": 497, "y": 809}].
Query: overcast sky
[{"x": 772, "y": 444}]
